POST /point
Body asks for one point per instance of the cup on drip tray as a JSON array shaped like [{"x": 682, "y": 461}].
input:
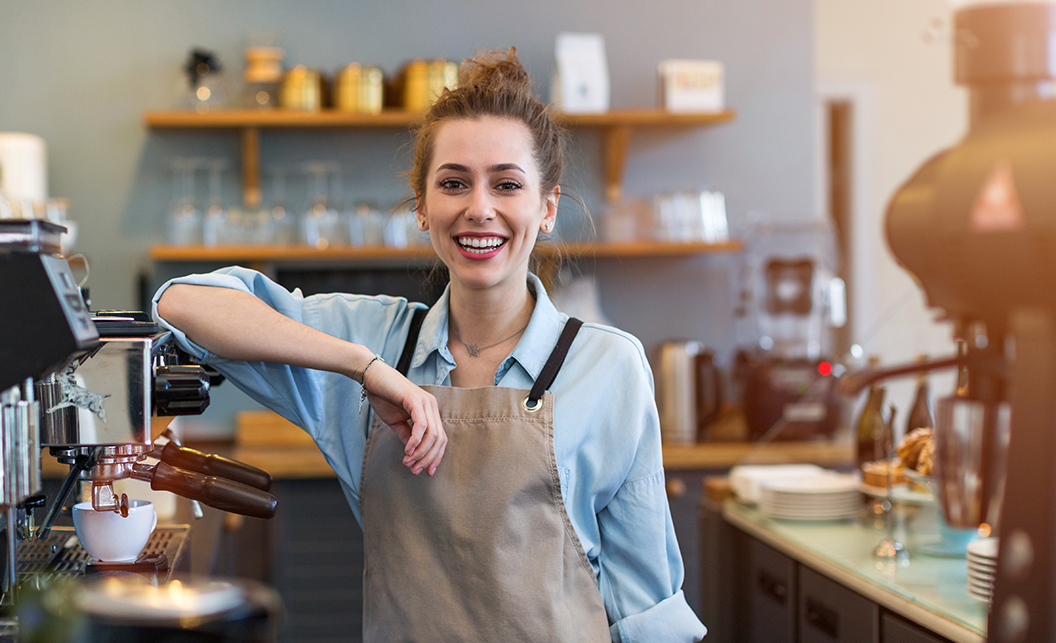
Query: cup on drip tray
[{"x": 110, "y": 537}]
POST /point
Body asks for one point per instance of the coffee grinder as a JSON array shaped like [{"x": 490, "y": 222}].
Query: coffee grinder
[{"x": 976, "y": 226}]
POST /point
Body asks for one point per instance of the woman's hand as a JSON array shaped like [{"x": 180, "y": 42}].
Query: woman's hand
[{"x": 409, "y": 411}]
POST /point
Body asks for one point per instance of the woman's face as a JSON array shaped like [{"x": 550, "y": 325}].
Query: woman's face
[{"x": 483, "y": 204}]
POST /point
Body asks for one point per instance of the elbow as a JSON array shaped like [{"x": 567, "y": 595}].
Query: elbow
[{"x": 174, "y": 302}]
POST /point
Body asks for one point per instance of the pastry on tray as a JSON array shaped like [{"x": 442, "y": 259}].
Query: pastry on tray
[
  {"x": 917, "y": 451},
  {"x": 874, "y": 473}
]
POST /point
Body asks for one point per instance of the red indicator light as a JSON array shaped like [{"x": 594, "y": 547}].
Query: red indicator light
[{"x": 824, "y": 369}]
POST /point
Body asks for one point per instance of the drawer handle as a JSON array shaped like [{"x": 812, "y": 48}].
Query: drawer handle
[
  {"x": 676, "y": 488},
  {"x": 823, "y": 618},
  {"x": 773, "y": 588}
]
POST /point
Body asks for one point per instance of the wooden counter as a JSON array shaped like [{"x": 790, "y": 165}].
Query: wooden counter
[{"x": 266, "y": 440}]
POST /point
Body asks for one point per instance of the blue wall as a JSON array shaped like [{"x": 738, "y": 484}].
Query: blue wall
[{"x": 81, "y": 75}]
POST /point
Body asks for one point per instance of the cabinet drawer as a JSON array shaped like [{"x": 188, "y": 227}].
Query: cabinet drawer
[
  {"x": 771, "y": 595},
  {"x": 829, "y": 612},
  {"x": 896, "y": 630}
]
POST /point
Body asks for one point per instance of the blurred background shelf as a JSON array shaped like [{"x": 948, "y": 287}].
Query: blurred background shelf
[{"x": 616, "y": 127}]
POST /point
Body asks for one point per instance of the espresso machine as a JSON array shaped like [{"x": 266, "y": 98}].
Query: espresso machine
[
  {"x": 976, "y": 226},
  {"x": 96, "y": 389},
  {"x": 790, "y": 300}
]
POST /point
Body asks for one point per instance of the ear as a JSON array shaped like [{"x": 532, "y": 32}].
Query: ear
[
  {"x": 419, "y": 214},
  {"x": 550, "y": 210}
]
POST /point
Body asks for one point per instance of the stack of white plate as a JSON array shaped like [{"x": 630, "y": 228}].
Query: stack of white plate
[
  {"x": 982, "y": 567},
  {"x": 747, "y": 480},
  {"x": 829, "y": 497}
]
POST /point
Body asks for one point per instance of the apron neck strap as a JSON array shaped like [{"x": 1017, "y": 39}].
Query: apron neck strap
[
  {"x": 554, "y": 362},
  {"x": 404, "y": 364},
  {"x": 546, "y": 376}
]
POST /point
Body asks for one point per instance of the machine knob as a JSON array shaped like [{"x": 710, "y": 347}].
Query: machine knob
[{"x": 180, "y": 390}]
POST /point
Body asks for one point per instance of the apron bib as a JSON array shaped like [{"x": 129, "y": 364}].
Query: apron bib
[{"x": 484, "y": 550}]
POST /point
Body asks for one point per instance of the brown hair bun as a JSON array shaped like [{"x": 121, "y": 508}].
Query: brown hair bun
[{"x": 499, "y": 70}]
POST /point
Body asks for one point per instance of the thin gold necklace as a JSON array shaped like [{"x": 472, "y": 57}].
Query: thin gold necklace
[{"x": 474, "y": 351}]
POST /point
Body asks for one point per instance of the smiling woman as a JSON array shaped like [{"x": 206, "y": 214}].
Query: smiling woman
[{"x": 547, "y": 518}]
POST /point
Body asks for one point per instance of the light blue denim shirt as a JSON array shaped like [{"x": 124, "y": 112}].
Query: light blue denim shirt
[{"x": 606, "y": 429}]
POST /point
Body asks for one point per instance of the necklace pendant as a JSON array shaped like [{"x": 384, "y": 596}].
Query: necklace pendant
[{"x": 473, "y": 350}]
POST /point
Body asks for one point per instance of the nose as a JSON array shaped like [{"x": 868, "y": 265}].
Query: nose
[{"x": 479, "y": 207}]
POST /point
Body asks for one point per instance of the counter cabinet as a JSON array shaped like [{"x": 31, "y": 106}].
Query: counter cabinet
[{"x": 762, "y": 585}]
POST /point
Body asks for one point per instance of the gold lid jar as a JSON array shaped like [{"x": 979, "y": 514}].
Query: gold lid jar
[
  {"x": 359, "y": 89},
  {"x": 302, "y": 89},
  {"x": 442, "y": 74},
  {"x": 416, "y": 86}
]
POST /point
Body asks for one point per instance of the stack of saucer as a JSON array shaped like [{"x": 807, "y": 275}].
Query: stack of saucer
[
  {"x": 982, "y": 567},
  {"x": 829, "y": 497}
]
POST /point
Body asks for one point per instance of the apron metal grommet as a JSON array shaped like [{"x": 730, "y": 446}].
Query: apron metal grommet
[{"x": 532, "y": 408}]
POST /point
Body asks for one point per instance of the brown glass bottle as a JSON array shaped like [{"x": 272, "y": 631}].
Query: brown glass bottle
[
  {"x": 920, "y": 416},
  {"x": 870, "y": 427}
]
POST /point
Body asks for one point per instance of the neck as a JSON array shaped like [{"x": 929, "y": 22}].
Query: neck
[{"x": 486, "y": 316}]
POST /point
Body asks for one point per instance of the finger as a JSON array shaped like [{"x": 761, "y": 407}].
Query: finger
[
  {"x": 423, "y": 418},
  {"x": 415, "y": 459},
  {"x": 428, "y": 454},
  {"x": 442, "y": 448}
]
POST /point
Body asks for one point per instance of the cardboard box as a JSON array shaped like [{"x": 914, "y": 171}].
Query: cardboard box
[{"x": 692, "y": 86}]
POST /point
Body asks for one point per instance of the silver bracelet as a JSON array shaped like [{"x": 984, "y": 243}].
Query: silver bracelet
[{"x": 363, "y": 380}]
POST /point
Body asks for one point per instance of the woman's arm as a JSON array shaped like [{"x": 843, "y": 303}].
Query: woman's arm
[{"x": 236, "y": 325}]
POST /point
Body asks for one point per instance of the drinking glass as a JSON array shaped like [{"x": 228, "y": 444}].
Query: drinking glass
[
  {"x": 184, "y": 222},
  {"x": 320, "y": 225},
  {"x": 216, "y": 226},
  {"x": 283, "y": 229}
]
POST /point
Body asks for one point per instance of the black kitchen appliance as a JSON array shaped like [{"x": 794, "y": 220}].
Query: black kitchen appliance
[
  {"x": 92, "y": 388},
  {"x": 790, "y": 299}
]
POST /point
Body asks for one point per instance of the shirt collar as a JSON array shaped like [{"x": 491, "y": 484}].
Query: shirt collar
[{"x": 533, "y": 349}]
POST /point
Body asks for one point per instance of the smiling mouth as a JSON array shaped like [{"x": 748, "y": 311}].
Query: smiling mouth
[{"x": 480, "y": 245}]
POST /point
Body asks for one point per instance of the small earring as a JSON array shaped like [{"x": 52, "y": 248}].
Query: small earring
[
  {"x": 421, "y": 224},
  {"x": 547, "y": 226}
]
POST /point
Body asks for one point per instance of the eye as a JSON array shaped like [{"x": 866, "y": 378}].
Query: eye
[
  {"x": 508, "y": 186},
  {"x": 450, "y": 185}
]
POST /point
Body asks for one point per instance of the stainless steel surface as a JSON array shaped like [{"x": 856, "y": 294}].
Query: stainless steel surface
[
  {"x": 19, "y": 467},
  {"x": 43, "y": 560},
  {"x": 31, "y": 235},
  {"x": 110, "y": 389},
  {"x": 687, "y": 388}
]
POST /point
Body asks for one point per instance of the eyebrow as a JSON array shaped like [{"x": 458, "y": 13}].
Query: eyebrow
[{"x": 499, "y": 167}]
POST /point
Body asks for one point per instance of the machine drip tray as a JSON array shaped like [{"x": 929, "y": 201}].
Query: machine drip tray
[{"x": 60, "y": 554}]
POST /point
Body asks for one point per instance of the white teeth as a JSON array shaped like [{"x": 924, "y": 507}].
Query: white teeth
[{"x": 480, "y": 244}]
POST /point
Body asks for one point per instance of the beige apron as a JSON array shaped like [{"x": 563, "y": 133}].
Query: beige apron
[{"x": 484, "y": 550}]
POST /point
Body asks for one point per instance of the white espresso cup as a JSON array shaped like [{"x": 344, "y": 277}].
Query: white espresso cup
[{"x": 109, "y": 536}]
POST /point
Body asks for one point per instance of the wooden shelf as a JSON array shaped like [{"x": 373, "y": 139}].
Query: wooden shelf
[
  {"x": 723, "y": 455},
  {"x": 227, "y": 119},
  {"x": 258, "y": 255},
  {"x": 616, "y": 127}
]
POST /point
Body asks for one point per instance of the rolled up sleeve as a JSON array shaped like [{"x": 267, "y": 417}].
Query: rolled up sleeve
[
  {"x": 294, "y": 393},
  {"x": 641, "y": 567}
]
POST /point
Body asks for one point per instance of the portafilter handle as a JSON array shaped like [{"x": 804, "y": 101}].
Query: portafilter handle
[
  {"x": 214, "y": 465},
  {"x": 219, "y": 493}
]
